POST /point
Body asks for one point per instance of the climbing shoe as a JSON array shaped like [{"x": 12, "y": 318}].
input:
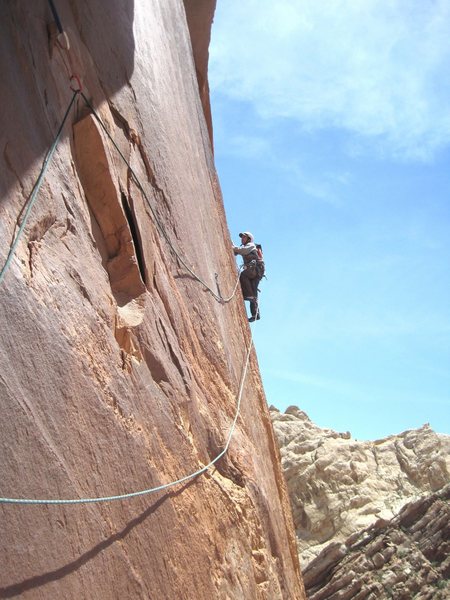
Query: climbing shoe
[{"x": 251, "y": 319}]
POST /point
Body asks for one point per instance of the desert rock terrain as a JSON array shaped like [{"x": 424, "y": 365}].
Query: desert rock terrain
[{"x": 119, "y": 370}]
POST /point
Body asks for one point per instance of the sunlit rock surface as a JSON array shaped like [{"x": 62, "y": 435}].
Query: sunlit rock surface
[
  {"x": 118, "y": 370},
  {"x": 404, "y": 558},
  {"x": 339, "y": 486}
]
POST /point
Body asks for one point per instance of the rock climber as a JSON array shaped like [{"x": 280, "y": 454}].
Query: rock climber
[{"x": 252, "y": 271}]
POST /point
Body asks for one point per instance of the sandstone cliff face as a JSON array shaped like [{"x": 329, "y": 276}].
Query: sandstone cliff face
[
  {"x": 339, "y": 486},
  {"x": 118, "y": 370},
  {"x": 407, "y": 557},
  {"x": 199, "y": 15}
]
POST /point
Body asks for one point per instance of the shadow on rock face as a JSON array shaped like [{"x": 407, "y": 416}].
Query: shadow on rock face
[
  {"x": 43, "y": 579},
  {"x": 36, "y": 70}
]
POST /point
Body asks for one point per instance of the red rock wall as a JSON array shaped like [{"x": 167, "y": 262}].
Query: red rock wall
[
  {"x": 119, "y": 371},
  {"x": 199, "y": 14}
]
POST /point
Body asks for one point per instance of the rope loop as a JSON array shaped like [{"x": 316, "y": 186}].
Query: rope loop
[
  {"x": 158, "y": 223},
  {"x": 62, "y": 39},
  {"x": 78, "y": 89},
  {"x": 164, "y": 486},
  {"x": 217, "y": 296}
]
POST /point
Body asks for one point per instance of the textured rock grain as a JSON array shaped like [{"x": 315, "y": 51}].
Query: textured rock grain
[
  {"x": 339, "y": 486},
  {"x": 406, "y": 557},
  {"x": 118, "y": 371}
]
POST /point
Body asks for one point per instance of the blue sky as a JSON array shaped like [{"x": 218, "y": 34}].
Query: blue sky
[{"x": 332, "y": 144}]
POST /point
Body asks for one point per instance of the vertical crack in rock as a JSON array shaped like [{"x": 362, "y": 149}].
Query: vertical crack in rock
[
  {"x": 135, "y": 140},
  {"x": 116, "y": 233},
  {"x": 108, "y": 386},
  {"x": 12, "y": 169},
  {"x": 111, "y": 226},
  {"x": 135, "y": 234}
]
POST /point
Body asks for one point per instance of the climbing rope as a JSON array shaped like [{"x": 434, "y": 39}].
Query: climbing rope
[
  {"x": 138, "y": 183},
  {"x": 158, "y": 488},
  {"x": 229, "y": 298},
  {"x": 58, "y": 501},
  {"x": 37, "y": 186},
  {"x": 33, "y": 196},
  {"x": 56, "y": 16},
  {"x": 78, "y": 90},
  {"x": 161, "y": 228}
]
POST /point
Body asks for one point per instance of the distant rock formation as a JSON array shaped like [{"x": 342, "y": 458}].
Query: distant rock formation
[
  {"x": 119, "y": 371},
  {"x": 339, "y": 486},
  {"x": 404, "y": 558}
]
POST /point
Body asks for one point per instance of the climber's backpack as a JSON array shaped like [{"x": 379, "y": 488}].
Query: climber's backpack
[{"x": 260, "y": 267}]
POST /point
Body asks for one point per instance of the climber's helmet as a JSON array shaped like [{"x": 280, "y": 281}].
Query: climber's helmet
[{"x": 246, "y": 234}]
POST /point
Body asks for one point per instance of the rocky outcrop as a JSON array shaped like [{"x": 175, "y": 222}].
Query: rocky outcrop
[
  {"x": 406, "y": 557},
  {"x": 119, "y": 371},
  {"x": 339, "y": 486}
]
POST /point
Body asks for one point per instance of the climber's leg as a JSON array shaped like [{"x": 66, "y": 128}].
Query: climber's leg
[{"x": 246, "y": 286}]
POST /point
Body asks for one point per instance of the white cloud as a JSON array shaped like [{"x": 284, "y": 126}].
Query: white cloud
[
  {"x": 327, "y": 188},
  {"x": 248, "y": 146},
  {"x": 376, "y": 68}
]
